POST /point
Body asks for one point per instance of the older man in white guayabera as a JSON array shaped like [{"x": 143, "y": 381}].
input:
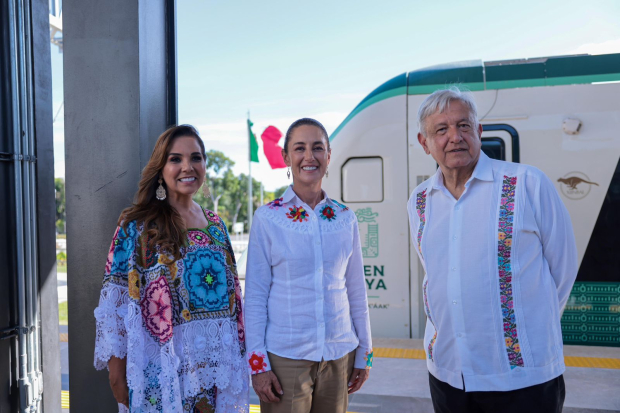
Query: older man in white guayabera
[{"x": 500, "y": 258}]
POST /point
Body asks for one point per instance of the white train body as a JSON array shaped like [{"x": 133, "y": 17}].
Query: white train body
[{"x": 560, "y": 114}]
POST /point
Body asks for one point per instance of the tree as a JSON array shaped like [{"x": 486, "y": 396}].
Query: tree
[
  {"x": 216, "y": 163},
  {"x": 61, "y": 216}
]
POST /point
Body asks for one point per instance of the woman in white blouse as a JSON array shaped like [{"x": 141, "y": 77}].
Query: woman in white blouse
[
  {"x": 499, "y": 252},
  {"x": 307, "y": 323}
]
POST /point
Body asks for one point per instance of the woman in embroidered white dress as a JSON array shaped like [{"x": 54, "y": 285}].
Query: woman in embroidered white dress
[
  {"x": 308, "y": 328},
  {"x": 169, "y": 321}
]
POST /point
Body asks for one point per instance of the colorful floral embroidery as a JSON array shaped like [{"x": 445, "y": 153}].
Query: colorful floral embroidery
[
  {"x": 342, "y": 206},
  {"x": 218, "y": 234},
  {"x": 420, "y": 206},
  {"x": 198, "y": 238},
  {"x": 133, "y": 280},
  {"x": 369, "y": 358},
  {"x": 428, "y": 314},
  {"x": 212, "y": 216},
  {"x": 257, "y": 362},
  {"x": 297, "y": 214},
  {"x": 186, "y": 314},
  {"x": 328, "y": 213},
  {"x": 275, "y": 204},
  {"x": 205, "y": 280},
  {"x": 504, "y": 248},
  {"x": 157, "y": 310}
]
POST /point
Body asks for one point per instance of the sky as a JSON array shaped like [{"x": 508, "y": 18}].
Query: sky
[{"x": 283, "y": 60}]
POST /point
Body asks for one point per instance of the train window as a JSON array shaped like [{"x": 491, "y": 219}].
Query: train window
[
  {"x": 494, "y": 148},
  {"x": 362, "y": 180}
]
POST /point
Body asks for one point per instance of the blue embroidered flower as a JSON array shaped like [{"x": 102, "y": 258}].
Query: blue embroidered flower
[
  {"x": 205, "y": 279},
  {"x": 123, "y": 248},
  {"x": 218, "y": 234}
]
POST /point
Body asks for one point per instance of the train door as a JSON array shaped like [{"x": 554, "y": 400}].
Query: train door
[{"x": 368, "y": 172}]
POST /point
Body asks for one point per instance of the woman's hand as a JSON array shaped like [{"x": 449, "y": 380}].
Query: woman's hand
[
  {"x": 118, "y": 379},
  {"x": 358, "y": 377},
  {"x": 266, "y": 385}
]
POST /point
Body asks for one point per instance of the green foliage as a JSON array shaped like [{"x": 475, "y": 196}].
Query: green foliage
[
  {"x": 229, "y": 192},
  {"x": 63, "y": 314},
  {"x": 61, "y": 216}
]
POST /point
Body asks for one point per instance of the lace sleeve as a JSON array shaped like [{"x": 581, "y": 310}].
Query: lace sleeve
[
  {"x": 111, "y": 337},
  {"x": 111, "y": 334}
]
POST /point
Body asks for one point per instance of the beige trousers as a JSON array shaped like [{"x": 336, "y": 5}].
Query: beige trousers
[{"x": 310, "y": 386}]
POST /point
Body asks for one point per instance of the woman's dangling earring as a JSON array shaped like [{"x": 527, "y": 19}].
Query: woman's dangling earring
[
  {"x": 160, "y": 193},
  {"x": 326, "y": 173},
  {"x": 288, "y": 173}
]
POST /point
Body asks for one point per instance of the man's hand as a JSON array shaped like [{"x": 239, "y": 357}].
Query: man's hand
[
  {"x": 118, "y": 379},
  {"x": 358, "y": 377},
  {"x": 267, "y": 387}
]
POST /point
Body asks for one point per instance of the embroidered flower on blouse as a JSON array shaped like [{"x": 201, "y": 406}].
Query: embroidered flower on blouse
[
  {"x": 328, "y": 213},
  {"x": 212, "y": 216},
  {"x": 275, "y": 204},
  {"x": 186, "y": 314},
  {"x": 198, "y": 238},
  {"x": 157, "y": 309},
  {"x": 297, "y": 214},
  {"x": 257, "y": 362}
]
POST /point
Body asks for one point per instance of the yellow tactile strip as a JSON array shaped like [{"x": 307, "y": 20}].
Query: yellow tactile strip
[
  {"x": 64, "y": 399},
  {"x": 591, "y": 362},
  {"x": 254, "y": 408}
]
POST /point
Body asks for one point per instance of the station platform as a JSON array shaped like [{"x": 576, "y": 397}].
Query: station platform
[{"x": 398, "y": 381}]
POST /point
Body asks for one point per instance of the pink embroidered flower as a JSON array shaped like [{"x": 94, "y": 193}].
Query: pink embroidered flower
[
  {"x": 157, "y": 309},
  {"x": 198, "y": 238},
  {"x": 213, "y": 217},
  {"x": 257, "y": 362}
]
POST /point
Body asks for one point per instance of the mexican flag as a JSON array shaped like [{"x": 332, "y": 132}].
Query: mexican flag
[{"x": 253, "y": 143}]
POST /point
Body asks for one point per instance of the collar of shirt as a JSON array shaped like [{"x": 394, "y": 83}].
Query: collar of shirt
[
  {"x": 290, "y": 195},
  {"x": 483, "y": 172}
]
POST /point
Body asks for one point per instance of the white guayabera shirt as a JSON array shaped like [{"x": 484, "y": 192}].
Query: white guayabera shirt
[
  {"x": 305, "y": 294},
  {"x": 500, "y": 264}
]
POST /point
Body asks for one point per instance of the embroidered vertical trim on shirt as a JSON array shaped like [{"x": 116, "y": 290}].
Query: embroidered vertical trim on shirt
[
  {"x": 504, "y": 249},
  {"x": 428, "y": 314},
  {"x": 420, "y": 207}
]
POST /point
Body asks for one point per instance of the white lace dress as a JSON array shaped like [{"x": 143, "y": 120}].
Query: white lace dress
[{"x": 179, "y": 323}]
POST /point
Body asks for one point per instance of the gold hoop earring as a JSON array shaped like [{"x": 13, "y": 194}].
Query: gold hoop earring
[
  {"x": 288, "y": 173},
  {"x": 160, "y": 193}
]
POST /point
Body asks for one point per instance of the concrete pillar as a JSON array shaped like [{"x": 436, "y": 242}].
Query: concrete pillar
[{"x": 120, "y": 94}]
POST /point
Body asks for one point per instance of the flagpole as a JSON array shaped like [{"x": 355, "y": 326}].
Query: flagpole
[{"x": 250, "y": 212}]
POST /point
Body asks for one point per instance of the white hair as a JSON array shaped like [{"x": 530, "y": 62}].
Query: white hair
[{"x": 440, "y": 101}]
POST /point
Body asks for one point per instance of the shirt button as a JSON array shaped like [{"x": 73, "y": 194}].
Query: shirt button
[
  {"x": 453, "y": 268},
  {"x": 454, "y": 237},
  {"x": 457, "y": 207},
  {"x": 320, "y": 269},
  {"x": 321, "y": 325},
  {"x": 313, "y": 218},
  {"x": 454, "y": 302},
  {"x": 460, "y": 335}
]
